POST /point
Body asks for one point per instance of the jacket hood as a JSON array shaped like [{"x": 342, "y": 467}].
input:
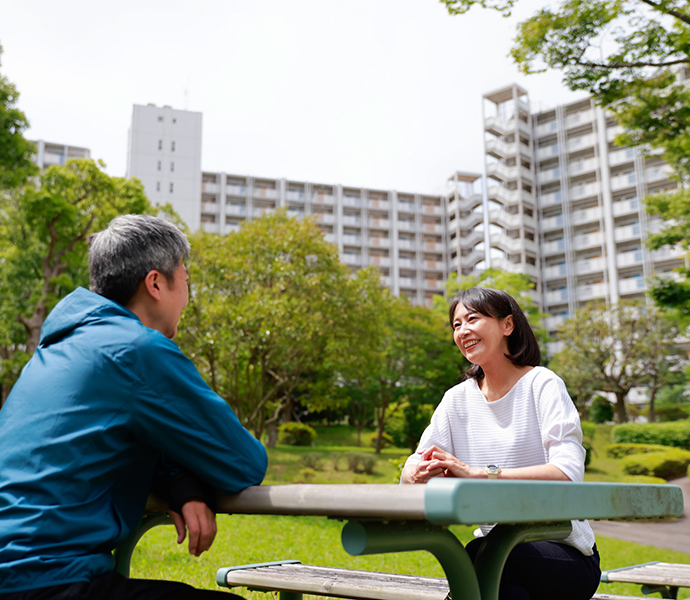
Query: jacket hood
[{"x": 77, "y": 309}]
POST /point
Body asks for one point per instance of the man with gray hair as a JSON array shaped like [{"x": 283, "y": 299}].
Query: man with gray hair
[{"x": 107, "y": 409}]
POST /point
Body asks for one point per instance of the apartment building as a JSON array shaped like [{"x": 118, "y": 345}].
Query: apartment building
[
  {"x": 568, "y": 199},
  {"x": 49, "y": 154},
  {"x": 558, "y": 201}
]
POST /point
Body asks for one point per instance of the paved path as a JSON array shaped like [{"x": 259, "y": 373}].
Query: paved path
[{"x": 674, "y": 535}]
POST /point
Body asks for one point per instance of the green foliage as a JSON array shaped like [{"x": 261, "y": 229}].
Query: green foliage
[
  {"x": 621, "y": 450},
  {"x": 669, "y": 464},
  {"x": 614, "y": 349},
  {"x": 589, "y": 430},
  {"x": 671, "y": 412},
  {"x": 358, "y": 462},
  {"x": 296, "y": 434},
  {"x": 43, "y": 249},
  {"x": 408, "y": 424},
  {"x": 643, "y": 479},
  {"x": 676, "y": 434},
  {"x": 588, "y": 452},
  {"x": 601, "y": 410},
  {"x": 312, "y": 460},
  {"x": 387, "y": 440},
  {"x": 399, "y": 466},
  {"x": 16, "y": 153},
  {"x": 305, "y": 475}
]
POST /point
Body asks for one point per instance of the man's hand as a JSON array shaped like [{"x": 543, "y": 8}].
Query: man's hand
[{"x": 200, "y": 520}]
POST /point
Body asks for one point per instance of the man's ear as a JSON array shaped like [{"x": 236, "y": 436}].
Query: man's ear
[{"x": 152, "y": 284}]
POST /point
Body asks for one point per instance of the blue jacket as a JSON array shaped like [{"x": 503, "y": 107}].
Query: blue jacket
[{"x": 82, "y": 431}]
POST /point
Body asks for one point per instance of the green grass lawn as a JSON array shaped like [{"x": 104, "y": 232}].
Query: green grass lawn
[{"x": 244, "y": 539}]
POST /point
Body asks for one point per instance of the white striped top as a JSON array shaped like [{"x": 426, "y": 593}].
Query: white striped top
[{"x": 535, "y": 423}]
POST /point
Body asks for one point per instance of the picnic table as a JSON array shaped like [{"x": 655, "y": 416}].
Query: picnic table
[{"x": 392, "y": 518}]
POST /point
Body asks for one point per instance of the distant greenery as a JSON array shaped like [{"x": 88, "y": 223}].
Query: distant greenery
[{"x": 676, "y": 433}]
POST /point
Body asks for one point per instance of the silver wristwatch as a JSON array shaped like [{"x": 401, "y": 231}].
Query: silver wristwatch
[{"x": 492, "y": 471}]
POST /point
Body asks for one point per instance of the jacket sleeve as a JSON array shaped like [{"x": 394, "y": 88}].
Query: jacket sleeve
[{"x": 177, "y": 413}]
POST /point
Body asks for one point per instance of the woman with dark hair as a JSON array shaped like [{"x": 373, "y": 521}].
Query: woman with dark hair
[{"x": 510, "y": 419}]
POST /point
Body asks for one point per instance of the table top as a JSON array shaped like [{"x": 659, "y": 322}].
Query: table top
[{"x": 446, "y": 501}]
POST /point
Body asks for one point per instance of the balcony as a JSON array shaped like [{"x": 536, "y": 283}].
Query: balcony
[
  {"x": 433, "y": 284},
  {"x": 235, "y": 190},
  {"x": 620, "y": 157},
  {"x": 295, "y": 196},
  {"x": 375, "y": 223},
  {"x": 547, "y": 128},
  {"x": 632, "y": 285},
  {"x": 265, "y": 192},
  {"x": 324, "y": 218},
  {"x": 407, "y": 263},
  {"x": 351, "y": 221},
  {"x": 590, "y": 265},
  {"x": 406, "y": 225},
  {"x": 379, "y": 204},
  {"x": 557, "y": 297},
  {"x": 433, "y": 265},
  {"x": 553, "y": 323},
  {"x": 586, "y": 190},
  {"x": 433, "y": 228},
  {"x": 588, "y": 240},
  {"x": 261, "y": 211},
  {"x": 612, "y": 132},
  {"x": 556, "y": 271},
  {"x": 354, "y": 201},
  {"x": 506, "y": 196},
  {"x": 235, "y": 210},
  {"x": 211, "y": 227},
  {"x": 210, "y": 208},
  {"x": 380, "y": 242},
  {"x": 500, "y": 149},
  {"x": 549, "y": 175},
  {"x": 592, "y": 292},
  {"x": 502, "y": 127},
  {"x": 210, "y": 188},
  {"x": 629, "y": 259},
  {"x": 406, "y": 244},
  {"x": 551, "y": 199},
  {"x": 547, "y": 152},
  {"x": 628, "y": 180},
  {"x": 505, "y": 173},
  {"x": 626, "y": 207},
  {"x": 553, "y": 348},
  {"x": 580, "y": 118},
  {"x": 576, "y": 144},
  {"x": 432, "y": 209},
  {"x": 656, "y": 174},
  {"x": 589, "y": 215},
  {"x": 433, "y": 246},
  {"x": 555, "y": 247},
  {"x": 322, "y": 198},
  {"x": 352, "y": 260},
  {"x": 627, "y": 233},
  {"x": 552, "y": 223},
  {"x": 581, "y": 167},
  {"x": 379, "y": 261},
  {"x": 668, "y": 253},
  {"x": 407, "y": 283},
  {"x": 351, "y": 240}
]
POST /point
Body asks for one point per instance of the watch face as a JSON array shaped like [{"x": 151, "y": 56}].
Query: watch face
[{"x": 493, "y": 468}]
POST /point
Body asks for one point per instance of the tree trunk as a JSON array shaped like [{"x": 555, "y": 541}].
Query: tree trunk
[
  {"x": 272, "y": 434},
  {"x": 621, "y": 412},
  {"x": 360, "y": 427},
  {"x": 652, "y": 397}
]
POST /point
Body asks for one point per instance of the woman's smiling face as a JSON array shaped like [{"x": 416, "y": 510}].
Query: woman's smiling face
[{"x": 481, "y": 338}]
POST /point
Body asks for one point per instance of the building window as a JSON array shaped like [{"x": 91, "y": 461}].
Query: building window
[
  {"x": 171, "y": 187},
  {"x": 174, "y": 120},
  {"x": 172, "y": 146},
  {"x": 158, "y": 186},
  {"x": 160, "y": 119},
  {"x": 159, "y": 165},
  {"x": 160, "y": 144},
  {"x": 172, "y": 167}
]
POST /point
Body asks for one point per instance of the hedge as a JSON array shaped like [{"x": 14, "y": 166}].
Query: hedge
[
  {"x": 296, "y": 434},
  {"x": 669, "y": 464},
  {"x": 642, "y": 479},
  {"x": 675, "y": 434},
  {"x": 621, "y": 450}
]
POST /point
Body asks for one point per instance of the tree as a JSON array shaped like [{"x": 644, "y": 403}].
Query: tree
[
  {"x": 615, "y": 349},
  {"x": 410, "y": 360},
  {"x": 518, "y": 285},
  {"x": 16, "y": 153},
  {"x": 268, "y": 305},
  {"x": 629, "y": 55},
  {"x": 43, "y": 247}
]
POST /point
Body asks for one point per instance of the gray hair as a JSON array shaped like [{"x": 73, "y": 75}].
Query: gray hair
[{"x": 130, "y": 247}]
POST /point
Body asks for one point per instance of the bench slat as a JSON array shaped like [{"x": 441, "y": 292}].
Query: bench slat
[
  {"x": 658, "y": 573},
  {"x": 347, "y": 583}
]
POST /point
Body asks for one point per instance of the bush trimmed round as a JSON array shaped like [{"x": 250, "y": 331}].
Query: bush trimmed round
[
  {"x": 670, "y": 464},
  {"x": 621, "y": 450},
  {"x": 296, "y": 434}
]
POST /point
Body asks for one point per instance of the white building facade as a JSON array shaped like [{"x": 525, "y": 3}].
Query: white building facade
[{"x": 558, "y": 201}]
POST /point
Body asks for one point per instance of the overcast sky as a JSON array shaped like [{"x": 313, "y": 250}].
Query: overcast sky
[{"x": 374, "y": 93}]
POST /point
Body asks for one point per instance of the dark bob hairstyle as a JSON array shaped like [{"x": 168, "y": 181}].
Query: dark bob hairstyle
[{"x": 523, "y": 348}]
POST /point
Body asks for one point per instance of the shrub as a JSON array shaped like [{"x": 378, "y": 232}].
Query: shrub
[
  {"x": 296, "y": 434},
  {"x": 305, "y": 476},
  {"x": 601, "y": 410},
  {"x": 621, "y": 450},
  {"x": 675, "y": 434},
  {"x": 387, "y": 440},
  {"x": 399, "y": 464},
  {"x": 313, "y": 460},
  {"x": 589, "y": 430},
  {"x": 642, "y": 479},
  {"x": 669, "y": 464},
  {"x": 588, "y": 452},
  {"x": 671, "y": 412},
  {"x": 360, "y": 463}
]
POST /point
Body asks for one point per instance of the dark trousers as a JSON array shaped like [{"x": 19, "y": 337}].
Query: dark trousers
[
  {"x": 113, "y": 586},
  {"x": 546, "y": 571}
]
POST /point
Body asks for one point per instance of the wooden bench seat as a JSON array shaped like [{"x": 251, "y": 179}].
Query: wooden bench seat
[
  {"x": 661, "y": 577},
  {"x": 292, "y": 579}
]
